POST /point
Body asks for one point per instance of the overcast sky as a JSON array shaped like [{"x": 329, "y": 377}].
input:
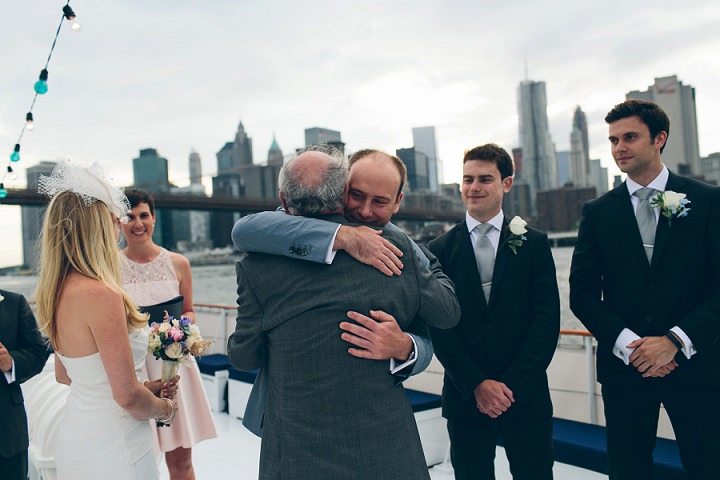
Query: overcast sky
[{"x": 177, "y": 75}]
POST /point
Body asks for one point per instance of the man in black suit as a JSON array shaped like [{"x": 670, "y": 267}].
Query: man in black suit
[
  {"x": 645, "y": 280},
  {"x": 22, "y": 355},
  {"x": 496, "y": 358}
]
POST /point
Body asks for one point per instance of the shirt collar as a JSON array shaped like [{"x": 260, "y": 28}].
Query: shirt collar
[
  {"x": 659, "y": 183},
  {"x": 495, "y": 221}
]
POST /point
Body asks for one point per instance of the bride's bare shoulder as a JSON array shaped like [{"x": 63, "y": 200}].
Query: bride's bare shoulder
[{"x": 87, "y": 292}]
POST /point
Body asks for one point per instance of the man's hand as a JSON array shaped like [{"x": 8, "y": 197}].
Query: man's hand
[
  {"x": 652, "y": 355},
  {"x": 378, "y": 338},
  {"x": 664, "y": 370},
  {"x": 5, "y": 359},
  {"x": 367, "y": 245},
  {"x": 493, "y": 398}
]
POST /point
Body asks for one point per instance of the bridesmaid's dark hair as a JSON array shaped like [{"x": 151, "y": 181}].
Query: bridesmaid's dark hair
[{"x": 137, "y": 196}]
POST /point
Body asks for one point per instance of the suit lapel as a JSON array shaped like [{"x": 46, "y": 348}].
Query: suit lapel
[
  {"x": 625, "y": 215},
  {"x": 501, "y": 259},
  {"x": 465, "y": 252},
  {"x": 664, "y": 230}
]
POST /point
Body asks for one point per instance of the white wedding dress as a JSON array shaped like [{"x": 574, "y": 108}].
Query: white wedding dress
[{"x": 97, "y": 438}]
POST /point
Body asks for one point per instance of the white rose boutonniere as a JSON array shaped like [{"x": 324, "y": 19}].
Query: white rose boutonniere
[
  {"x": 672, "y": 204},
  {"x": 517, "y": 233}
]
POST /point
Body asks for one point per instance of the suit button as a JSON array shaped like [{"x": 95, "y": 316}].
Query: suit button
[
  {"x": 292, "y": 249},
  {"x": 648, "y": 319},
  {"x": 303, "y": 252}
]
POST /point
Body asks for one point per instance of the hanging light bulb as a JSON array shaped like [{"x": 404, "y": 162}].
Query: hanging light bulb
[
  {"x": 11, "y": 173},
  {"x": 29, "y": 119},
  {"x": 70, "y": 16},
  {"x": 15, "y": 156},
  {"x": 3, "y": 192},
  {"x": 41, "y": 85}
]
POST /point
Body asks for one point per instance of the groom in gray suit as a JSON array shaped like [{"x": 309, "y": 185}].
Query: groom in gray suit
[{"x": 330, "y": 414}]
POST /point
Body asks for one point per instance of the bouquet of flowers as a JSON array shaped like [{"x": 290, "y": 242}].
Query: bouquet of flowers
[{"x": 174, "y": 340}]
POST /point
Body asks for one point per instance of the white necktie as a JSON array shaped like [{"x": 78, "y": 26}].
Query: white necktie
[
  {"x": 485, "y": 258},
  {"x": 645, "y": 215}
]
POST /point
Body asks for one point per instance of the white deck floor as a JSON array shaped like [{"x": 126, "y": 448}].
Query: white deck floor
[{"x": 235, "y": 454}]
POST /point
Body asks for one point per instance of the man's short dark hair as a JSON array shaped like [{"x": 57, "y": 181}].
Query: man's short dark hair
[
  {"x": 491, "y": 152},
  {"x": 136, "y": 196},
  {"x": 648, "y": 112}
]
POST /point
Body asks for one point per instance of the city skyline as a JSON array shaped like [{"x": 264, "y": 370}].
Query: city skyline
[{"x": 178, "y": 76}]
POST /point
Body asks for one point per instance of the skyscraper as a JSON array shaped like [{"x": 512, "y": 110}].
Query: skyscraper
[
  {"x": 579, "y": 149},
  {"x": 150, "y": 171},
  {"x": 538, "y": 151},
  {"x": 424, "y": 140},
  {"x": 195, "y": 164},
  {"x": 32, "y": 217},
  {"x": 237, "y": 153},
  {"x": 275, "y": 155},
  {"x": 191, "y": 228},
  {"x": 416, "y": 162},
  {"x": 682, "y": 153},
  {"x": 318, "y": 136}
]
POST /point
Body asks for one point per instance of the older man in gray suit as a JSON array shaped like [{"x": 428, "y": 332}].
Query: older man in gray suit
[{"x": 330, "y": 414}]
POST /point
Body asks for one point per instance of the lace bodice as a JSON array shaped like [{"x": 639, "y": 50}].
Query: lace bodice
[{"x": 150, "y": 283}]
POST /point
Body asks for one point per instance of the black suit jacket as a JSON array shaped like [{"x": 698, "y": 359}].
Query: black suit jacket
[
  {"x": 20, "y": 335},
  {"x": 612, "y": 285},
  {"x": 512, "y": 339}
]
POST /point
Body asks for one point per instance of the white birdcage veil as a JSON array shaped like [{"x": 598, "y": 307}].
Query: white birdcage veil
[{"x": 89, "y": 182}]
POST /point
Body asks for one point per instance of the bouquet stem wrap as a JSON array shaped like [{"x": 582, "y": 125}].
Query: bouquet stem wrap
[{"x": 169, "y": 370}]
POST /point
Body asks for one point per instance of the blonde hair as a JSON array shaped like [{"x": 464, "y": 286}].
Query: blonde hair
[{"x": 81, "y": 238}]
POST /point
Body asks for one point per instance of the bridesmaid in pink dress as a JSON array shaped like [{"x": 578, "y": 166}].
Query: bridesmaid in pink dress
[{"x": 152, "y": 275}]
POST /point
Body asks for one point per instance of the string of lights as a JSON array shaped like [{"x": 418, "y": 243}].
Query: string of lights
[{"x": 40, "y": 87}]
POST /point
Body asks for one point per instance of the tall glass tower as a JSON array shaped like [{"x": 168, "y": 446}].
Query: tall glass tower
[
  {"x": 538, "y": 152},
  {"x": 424, "y": 140}
]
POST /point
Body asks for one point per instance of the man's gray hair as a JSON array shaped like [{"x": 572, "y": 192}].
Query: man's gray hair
[{"x": 313, "y": 200}]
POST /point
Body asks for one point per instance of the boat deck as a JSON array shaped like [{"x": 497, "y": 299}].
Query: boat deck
[{"x": 235, "y": 455}]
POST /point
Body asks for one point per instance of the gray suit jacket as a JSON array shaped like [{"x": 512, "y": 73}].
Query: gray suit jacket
[
  {"x": 329, "y": 414},
  {"x": 278, "y": 233},
  {"x": 19, "y": 334}
]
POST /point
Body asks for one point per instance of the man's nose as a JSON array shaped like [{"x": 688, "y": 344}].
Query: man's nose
[{"x": 365, "y": 209}]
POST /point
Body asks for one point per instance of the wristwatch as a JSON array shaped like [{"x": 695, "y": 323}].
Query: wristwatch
[{"x": 671, "y": 336}]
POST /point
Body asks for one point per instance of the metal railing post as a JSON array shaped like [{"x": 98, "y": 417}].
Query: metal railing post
[
  {"x": 592, "y": 401},
  {"x": 223, "y": 322}
]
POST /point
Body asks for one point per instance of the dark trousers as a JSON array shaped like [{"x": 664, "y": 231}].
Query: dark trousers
[
  {"x": 527, "y": 442},
  {"x": 632, "y": 415},
  {"x": 15, "y": 467}
]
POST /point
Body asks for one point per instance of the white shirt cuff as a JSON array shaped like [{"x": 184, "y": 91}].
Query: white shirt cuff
[
  {"x": 330, "y": 254},
  {"x": 394, "y": 367},
  {"x": 10, "y": 376},
  {"x": 688, "y": 347},
  {"x": 625, "y": 338}
]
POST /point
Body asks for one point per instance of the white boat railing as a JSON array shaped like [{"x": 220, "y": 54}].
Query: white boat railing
[{"x": 217, "y": 323}]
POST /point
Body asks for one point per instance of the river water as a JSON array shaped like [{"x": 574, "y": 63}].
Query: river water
[{"x": 215, "y": 284}]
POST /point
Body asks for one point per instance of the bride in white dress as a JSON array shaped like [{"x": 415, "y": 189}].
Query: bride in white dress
[{"x": 99, "y": 338}]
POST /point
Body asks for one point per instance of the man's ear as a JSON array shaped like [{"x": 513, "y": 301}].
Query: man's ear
[
  {"x": 282, "y": 201},
  {"x": 661, "y": 138},
  {"x": 397, "y": 203}
]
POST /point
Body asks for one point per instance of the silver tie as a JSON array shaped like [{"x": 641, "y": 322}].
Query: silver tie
[
  {"x": 647, "y": 224},
  {"x": 485, "y": 258}
]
